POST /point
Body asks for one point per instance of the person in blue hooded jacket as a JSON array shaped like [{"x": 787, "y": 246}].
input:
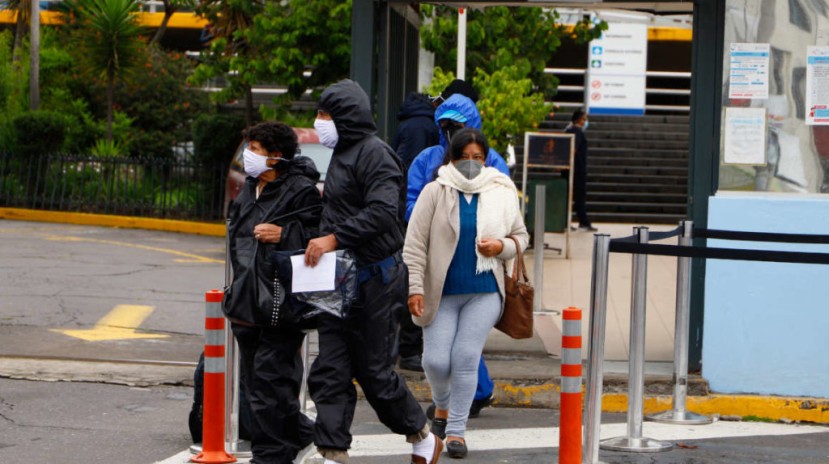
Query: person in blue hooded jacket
[{"x": 457, "y": 112}]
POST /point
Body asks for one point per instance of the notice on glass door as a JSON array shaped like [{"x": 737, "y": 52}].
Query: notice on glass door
[
  {"x": 817, "y": 86},
  {"x": 749, "y": 73},
  {"x": 745, "y": 136}
]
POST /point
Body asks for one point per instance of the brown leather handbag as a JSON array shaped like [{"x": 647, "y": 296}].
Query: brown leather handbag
[{"x": 517, "y": 318}]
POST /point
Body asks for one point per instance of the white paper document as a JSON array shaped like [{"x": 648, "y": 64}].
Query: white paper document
[
  {"x": 745, "y": 136},
  {"x": 314, "y": 279}
]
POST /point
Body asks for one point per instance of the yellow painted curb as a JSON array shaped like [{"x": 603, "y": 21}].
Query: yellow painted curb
[
  {"x": 126, "y": 222},
  {"x": 758, "y": 407}
]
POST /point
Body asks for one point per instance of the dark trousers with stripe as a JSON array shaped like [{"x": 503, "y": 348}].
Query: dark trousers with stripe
[{"x": 361, "y": 347}]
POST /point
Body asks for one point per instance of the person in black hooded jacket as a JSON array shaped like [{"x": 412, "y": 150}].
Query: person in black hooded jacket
[
  {"x": 364, "y": 206},
  {"x": 278, "y": 209},
  {"x": 417, "y": 130}
]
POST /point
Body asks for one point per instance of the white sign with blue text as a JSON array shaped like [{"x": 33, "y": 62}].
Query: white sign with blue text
[
  {"x": 749, "y": 71},
  {"x": 616, "y": 67}
]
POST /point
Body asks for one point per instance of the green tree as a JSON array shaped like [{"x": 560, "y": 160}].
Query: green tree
[
  {"x": 299, "y": 44},
  {"x": 295, "y": 43},
  {"x": 497, "y": 37},
  {"x": 170, "y": 8},
  {"x": 229, "y": 19},
  {"x": 111, "y": 43},
  {"x": 23, "y": 13}
]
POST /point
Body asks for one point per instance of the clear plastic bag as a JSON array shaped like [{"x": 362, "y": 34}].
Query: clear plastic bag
[{"x": 336, "y": 302}]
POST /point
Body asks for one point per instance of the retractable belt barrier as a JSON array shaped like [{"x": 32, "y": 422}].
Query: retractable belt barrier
[{"x": 638, "y": 246}]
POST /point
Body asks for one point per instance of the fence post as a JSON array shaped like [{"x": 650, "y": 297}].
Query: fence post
[
  {"x": 213, "y": 429},
  {"x": 595, "y": 350},
  {"x": 633, "y": 441},
  {"x": 569, "y": 439},
  {"x": 678, "y": 415}
]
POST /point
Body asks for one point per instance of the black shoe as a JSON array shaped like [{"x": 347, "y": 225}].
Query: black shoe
[
  {"x": 412, "y": 363},
  {"x": 477, "y": 405},
  {"x": 456, "y": 449},
  {"x": 439, "y": 428},
  {"x": 430, "y": 411}
]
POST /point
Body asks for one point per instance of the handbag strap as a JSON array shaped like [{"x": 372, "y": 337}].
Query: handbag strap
[{"x": 519, "y": 268}]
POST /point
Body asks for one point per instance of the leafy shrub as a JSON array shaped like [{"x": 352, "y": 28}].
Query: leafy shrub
[
  {"x": 216, "y": 136},
  {"x": 39, "y": 132}
]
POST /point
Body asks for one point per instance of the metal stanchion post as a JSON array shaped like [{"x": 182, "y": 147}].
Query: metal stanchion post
[
  {"x": 240, "y": 448},
  {"x": 633, "y": 441},
  {"x": 303, "y": 389},
  {"x": 595, "y": 351},
  {"x": 678, "y": 415},
  {"x": 538, "y": 247}
]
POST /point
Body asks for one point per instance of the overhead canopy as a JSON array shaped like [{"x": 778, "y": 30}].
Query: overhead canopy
[{"x": 654, "y": 7}]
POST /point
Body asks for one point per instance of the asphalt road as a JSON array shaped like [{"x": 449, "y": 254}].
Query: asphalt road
[{"x": 64, "y": 277}]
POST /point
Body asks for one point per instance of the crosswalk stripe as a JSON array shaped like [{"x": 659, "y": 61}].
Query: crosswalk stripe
[
  {"x": 387, "y": 444},
  {"x": 547, "y": 437}
]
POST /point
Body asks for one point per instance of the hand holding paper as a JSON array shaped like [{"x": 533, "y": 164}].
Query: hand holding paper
[{"x": 314, "y": 279}]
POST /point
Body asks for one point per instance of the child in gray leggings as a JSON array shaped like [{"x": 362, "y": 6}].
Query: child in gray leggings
[{"x": 452, "y": 346}]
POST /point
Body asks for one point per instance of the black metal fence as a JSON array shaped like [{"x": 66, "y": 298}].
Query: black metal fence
[{"x": 156, "y": 188}]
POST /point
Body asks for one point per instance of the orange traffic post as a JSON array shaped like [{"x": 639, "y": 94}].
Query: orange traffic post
[
  {"x": 213, "y": 415},
  {"x": 569, "y": 443}
]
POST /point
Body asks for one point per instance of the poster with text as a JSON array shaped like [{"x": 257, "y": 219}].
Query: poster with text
[
  {"x": 749, "y": 71},
  {"x": 745, "y": 136},
  {"x": 817, "y": 86},
  {"x": 616, "y": 72}
]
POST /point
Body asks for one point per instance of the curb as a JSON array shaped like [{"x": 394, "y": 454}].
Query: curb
[
  {"x": 545, "y": 393},
  {"x": 124, "y": 222}
]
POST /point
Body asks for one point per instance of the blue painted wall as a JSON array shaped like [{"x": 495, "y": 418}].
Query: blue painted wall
[{"x": 766, "y": 326}]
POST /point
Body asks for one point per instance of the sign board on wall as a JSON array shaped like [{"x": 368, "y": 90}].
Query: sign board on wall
[
  {"x": 749, "y": 70},
  {"x": 817, "y": 86},
  {"x": 616, "y": 67}
]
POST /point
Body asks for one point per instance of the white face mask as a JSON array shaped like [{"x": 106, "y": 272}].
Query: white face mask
[
  {"x": 255, "y": 164},
  {"x": 327, "y": 132}
]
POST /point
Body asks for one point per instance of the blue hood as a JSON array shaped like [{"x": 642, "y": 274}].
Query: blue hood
[{"x": 462, "y": 105}]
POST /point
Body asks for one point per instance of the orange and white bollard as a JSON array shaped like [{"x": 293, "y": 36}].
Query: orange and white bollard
[
  {"x": 569, "y": 442},
  {"x": 213, "y": 409}
]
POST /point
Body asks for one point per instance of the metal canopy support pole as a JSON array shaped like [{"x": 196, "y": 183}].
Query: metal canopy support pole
[
  {"x": 595, "y": 350},
  {"x": 633, "y": 441},
  {"x": 538, "y": 247},
  {"x": 461, "y": 64},
  {"x": 678, "y": 415}
]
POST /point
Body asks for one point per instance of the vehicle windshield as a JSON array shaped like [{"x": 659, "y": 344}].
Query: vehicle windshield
[{"x": 320, "y": 154}]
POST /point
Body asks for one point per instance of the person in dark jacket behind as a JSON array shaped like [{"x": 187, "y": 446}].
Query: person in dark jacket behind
[
  {"x": 278, "y": 209},
  {"x": 577, "y": 126},
  {"x": 363, "y": 211},
  {"x": 417, "y": 130}
]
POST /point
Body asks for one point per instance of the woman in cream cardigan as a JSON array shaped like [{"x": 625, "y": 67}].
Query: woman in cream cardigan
[{"x": 456, "y": 247}]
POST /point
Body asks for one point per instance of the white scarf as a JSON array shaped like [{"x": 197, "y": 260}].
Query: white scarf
[{"x": 497, "y": 204}]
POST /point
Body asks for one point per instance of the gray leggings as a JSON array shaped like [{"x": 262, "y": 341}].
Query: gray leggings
[{"x": 452, "y": 346}]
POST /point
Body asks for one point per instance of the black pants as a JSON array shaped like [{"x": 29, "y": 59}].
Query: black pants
[
  {"x": 410, "y": 337},
  {"x": 361, "y": 347},
  {"x": 271, "y": 376}
]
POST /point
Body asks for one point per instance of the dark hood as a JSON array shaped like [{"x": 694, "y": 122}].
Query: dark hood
[
  {"x": 303, "y": 166},
  {"x": 416, "y": 104},
  {"x": 349, "y": 106}
]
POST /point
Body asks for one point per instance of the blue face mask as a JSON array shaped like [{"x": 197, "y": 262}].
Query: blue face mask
[{"x": 586, "y": 123}]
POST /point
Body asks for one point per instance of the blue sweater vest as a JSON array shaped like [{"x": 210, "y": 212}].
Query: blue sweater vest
[{"x": 461, "y": 277}]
